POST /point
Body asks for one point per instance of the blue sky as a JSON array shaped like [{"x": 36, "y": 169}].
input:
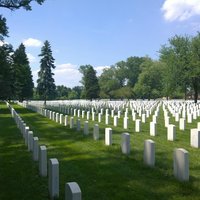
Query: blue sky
[{"x": 99, "y": 32}]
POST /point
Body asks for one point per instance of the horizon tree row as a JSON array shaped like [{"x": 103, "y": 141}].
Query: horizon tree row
[{"x": 176, "y": 74}]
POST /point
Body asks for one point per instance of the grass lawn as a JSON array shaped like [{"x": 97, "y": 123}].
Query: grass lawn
[
  {"x": 18, "y": 173},
  {"x": 102, "y": 172}
]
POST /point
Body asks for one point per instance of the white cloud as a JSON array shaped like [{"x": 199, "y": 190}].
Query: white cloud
[
  {"x": 67, "y": 74},
  {"x": 1, "y": 43},
  {"x": 180, "y": 9},
  {"x": 100, "y": 69},
  {"x": 30, "y": 42},
  {"x": 31, "y": 58},
  {"x": 35, "y": 76}
]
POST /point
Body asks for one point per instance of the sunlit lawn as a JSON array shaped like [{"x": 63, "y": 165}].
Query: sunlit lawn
[{"x": 102, "y": 172}]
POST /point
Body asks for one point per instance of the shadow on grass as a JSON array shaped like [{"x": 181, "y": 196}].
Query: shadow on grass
[
  {"x": 104, "y": 173},
  {"x": 19, "y": 177}
]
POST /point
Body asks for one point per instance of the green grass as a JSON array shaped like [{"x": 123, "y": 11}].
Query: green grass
[
  {"x": 102, "y": 172},
  {"x": 18, "y": 173}
]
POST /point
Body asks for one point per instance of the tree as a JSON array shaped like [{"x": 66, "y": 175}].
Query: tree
[
  {"x": 62, "y": 92},
  {"x": 150, "y": 81},
  {"x": 13, "y": 5},
  {"x": 78, "y": 90},
  {"x": 6, "y": 72},
  {"x": 23, "y": 82},
  {"x": 133, "y": 69},
  {"x": 3, "y": 28},
  {"x": 90, "y": 82},
  {"x": 195, "y": 72},
  {"x": 46, "y": 87},
  {"x": 108, "y": 83},
  {"x": 182, "y": 59},
  {"x": 16, "y": 4}
]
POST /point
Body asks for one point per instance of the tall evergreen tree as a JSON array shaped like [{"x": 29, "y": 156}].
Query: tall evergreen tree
[
  {"x": 22, "y": 74},
  {"x": 6, "y": 72},
  {"x": 3, "y": 28},
  {"x": 46, "y": 87},
  {"x": 90, "y": 82}
]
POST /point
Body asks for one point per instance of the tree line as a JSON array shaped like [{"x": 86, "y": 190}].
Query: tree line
[{"x": 176, "y": 74}]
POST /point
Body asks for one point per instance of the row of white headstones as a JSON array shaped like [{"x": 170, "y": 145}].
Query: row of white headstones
[
  {"x": 39, "y": 153},
  {"x": 181, "y": 156}
]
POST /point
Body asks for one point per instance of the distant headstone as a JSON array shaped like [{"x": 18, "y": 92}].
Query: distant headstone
[
  {"x": 71, "y": 122},
  {"x": 86, "y": 128},
  {"x": 96, "y": 132},
  {"x": 137, "y": 125}
]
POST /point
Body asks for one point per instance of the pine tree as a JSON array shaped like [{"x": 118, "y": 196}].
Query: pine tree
[
  {"x": 6, "y": 72},
  {"x": 22, "y": 74},
  {"x": 46, "y": 87}
]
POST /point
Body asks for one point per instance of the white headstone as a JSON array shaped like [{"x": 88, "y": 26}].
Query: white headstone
[
  {"x": 66, "y": 120},
  {"x": 195, "y": 138},
  {"x": 153, "y": 129},
  {"x": 78, "y": 125},
  {"x": 30, "y": 141},
  {"x": 125, "y": 122},
  {"x": 171, "y": 132},
  {"x": 115, "y": 120},
  {"x": 26, "y": 135},
  {"x": 35, "y": 149},
  {"x": 71, "y": 122},
  {"x": 72, "y": 191},
  {"x": 86, "y": 128},
  {"x": 137, "y": 125},
  {"x": 189, "y": 118},
  {"x": 107, "y": 119},
  {"x": 149, "y": 152},
  {"x": 198, "y": 125},
  {"x": 61, "y": 118},
  {"x": 53, "y": 178},
  {"x": 43, "y": 161},
  {"x": 125, "y": 145},
  {"x": 99, "y": 117},
  {"x": 143, "y": 118},
  {"x": 96, "y": 132},
  {"x": 182, "y": 124},
  {"x": 108, "y": 136},
  {"x": 57, "y": 117},
  {"x": 83, "y": 114},
  {"x": 181, "y": 164}
]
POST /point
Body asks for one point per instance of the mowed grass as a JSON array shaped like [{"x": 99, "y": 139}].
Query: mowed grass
[
  {"x": 103, "y": 172},
  {"x": 18, "y": 173}
]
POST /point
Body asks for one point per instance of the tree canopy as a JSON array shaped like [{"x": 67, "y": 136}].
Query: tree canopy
[{"x": 90, "y": 82}]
